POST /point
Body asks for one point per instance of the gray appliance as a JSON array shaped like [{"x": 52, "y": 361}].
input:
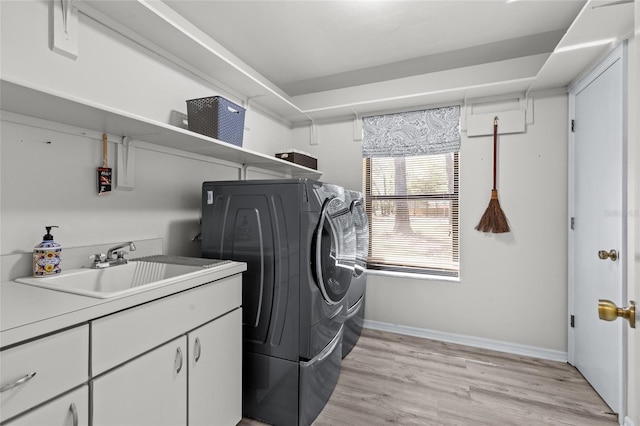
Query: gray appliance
[
  {"x": 298, "y": 239},
  {"x": 356, "y": 293}
]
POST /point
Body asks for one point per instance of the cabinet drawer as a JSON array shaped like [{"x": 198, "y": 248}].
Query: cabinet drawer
[
  {"x": 71, "y": 409},
  {"x": 60, "y": 362},
  {"x": 119, "y": 337}
]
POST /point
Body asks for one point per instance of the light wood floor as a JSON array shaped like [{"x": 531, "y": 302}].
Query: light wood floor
[{"x": 395, "y": 379}]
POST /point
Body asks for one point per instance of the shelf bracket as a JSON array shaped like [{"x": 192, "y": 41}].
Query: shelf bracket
[
  {"x": 313, "y": 134},
  {"x": 357, "y": 126},
  {"x": 64, "y": 28},
  {"x": 126, "y": 165}
]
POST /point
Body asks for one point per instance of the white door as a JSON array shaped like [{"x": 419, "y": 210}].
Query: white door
[{"x": 596, "y": 347}]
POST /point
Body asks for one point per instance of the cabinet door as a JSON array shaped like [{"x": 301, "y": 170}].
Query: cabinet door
[
  {"x": 215, "y": 372},
  {"x": 71, "y": 409},
  {"x": 149, "y": 390}
]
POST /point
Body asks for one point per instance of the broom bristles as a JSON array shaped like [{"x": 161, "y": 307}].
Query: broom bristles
[{"x": 493, "y": 219}]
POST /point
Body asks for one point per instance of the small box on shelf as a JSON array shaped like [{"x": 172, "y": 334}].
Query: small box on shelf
[{"x": 296, "y": 157}]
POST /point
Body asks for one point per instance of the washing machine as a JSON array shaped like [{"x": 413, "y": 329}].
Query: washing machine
[
  {"x": 356, "y": 294},
  {"x": 298, "y": 239}
]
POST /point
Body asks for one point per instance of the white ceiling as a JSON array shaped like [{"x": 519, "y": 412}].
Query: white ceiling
[
  {"x": 312, "y": 46},
  {"x": 325, "y": 60}
]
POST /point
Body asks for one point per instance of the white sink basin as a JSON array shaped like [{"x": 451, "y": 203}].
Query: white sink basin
[{"x": 118, "y": 280}]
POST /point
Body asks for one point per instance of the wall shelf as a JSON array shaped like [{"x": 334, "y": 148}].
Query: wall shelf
[
  {"x": 161, "y": 29},
  {"x": 61, "y": 108}
]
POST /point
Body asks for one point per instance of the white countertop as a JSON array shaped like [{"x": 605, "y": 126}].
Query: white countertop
[{"x": 27, "y": 311}]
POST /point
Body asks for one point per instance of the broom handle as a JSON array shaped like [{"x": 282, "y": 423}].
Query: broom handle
[{"x": 495, "y": 146}]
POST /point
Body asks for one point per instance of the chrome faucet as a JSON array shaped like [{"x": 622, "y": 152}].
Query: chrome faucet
[
  {"x": 117, "y": 250},
  {"x": 104, "y": 261}
]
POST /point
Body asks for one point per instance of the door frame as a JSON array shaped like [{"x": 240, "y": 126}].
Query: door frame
[{"x": 619, "y": 53}]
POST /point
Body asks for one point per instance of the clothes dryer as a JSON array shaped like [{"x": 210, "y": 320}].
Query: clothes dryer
[
  {"x": 356, "y": 293},
  {"x": 298, "y": 240}
]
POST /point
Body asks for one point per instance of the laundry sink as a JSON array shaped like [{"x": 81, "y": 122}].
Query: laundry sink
[{"x": 132, "y": 277}]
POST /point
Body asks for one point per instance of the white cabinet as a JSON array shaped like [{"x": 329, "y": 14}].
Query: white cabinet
[
  {"x": 71, "y": 409},
  {"x": 172, "y": 361},
  {"x": 215, "y": 372},
  {"x": 39, "y": 370},
  {"x": 176, "y": 360},
  {"x": 150, "y": 390}
]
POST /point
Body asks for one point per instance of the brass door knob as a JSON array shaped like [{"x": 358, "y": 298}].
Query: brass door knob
[
  {"x": 611, "y": 254},
  {"x": 608, "y": 311}
]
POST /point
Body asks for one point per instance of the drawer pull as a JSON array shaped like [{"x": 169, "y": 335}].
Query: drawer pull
[
  {"x": 22, "y": 381},
  {"x": 197, "y": 349},
  {"x": 74, "y": 413},
  {"x": 178, "y": 362}
]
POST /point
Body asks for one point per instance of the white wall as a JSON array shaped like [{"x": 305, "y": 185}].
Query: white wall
[
  {"x": 513, "y": 287},
  {"x": 339, "y": 156},
  {"x": 48, "y": 172},
  {"x": 49, "y": 178}
]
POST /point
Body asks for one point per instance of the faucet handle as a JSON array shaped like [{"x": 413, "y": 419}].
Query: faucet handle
[
  {"x": 119, "y": 254},
  {"x": 98, "y": 257},
  {"x": 98, "y": 260}
]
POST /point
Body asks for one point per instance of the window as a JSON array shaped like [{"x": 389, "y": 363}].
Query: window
[{"x": 412, "y": 207}]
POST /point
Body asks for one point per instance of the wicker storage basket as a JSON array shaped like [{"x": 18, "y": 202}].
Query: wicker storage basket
[{"x": 216, "y": 117}]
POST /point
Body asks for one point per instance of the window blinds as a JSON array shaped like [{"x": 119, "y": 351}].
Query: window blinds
[
  {"x": 431, "y": 131},
  {"x": 411, "y": 198}
]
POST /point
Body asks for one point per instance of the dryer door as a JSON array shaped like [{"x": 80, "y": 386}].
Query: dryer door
[
  {"x": 361, "y": 224},
  {"x": 335, "y": 250}
]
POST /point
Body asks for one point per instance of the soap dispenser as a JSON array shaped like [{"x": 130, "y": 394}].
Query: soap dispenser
[{"x": 46, "y": 256}]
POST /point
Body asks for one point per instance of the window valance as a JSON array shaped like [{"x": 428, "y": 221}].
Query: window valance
[{"x": 426, "y": 132}]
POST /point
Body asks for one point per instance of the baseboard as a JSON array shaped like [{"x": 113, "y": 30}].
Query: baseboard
[{"x": 477, "y": 342}]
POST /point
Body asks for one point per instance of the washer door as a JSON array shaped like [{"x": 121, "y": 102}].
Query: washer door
[
  {"x": 335, "y": 248},
  {"x": 361, "y": 224}
]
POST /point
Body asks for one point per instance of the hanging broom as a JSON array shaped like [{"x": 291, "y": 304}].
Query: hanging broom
[{"x": 493, "y": 219}]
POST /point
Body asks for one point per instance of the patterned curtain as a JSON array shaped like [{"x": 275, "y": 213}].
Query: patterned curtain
[{"x": 427, "y": 132}]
